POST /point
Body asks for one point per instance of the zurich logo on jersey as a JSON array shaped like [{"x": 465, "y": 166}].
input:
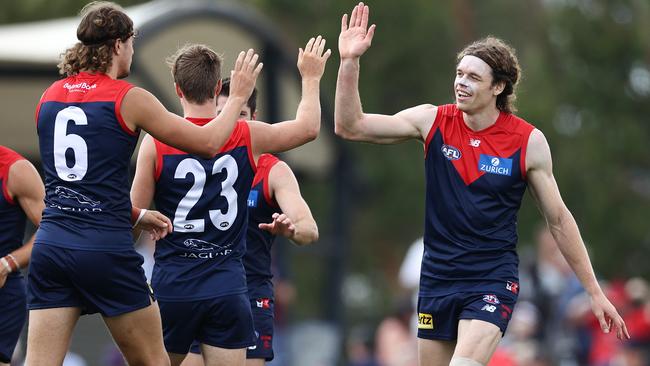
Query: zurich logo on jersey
[
  {"x": 495, "y": 165},
  {"x": 252, "y": 198},
  {"x": 450, "y": 152}
]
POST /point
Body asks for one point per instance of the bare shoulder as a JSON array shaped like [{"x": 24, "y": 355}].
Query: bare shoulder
[
  {"x": 22, "y": 169},
  {"x": 23, "y": 178},
  {"x": 421, "y": 117},
  {"x": 280, "y": 171},
  {"x": 538, "y": 153}
]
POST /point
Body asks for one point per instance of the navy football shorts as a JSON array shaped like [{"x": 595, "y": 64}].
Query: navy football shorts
[
  {"x": 438, "y": 316},
  {"x": 224, "y": 322},
  {"x": 109, "y": 283},
  {"x": 12, "y": 315},
  {"x": 263, "y": 318}
]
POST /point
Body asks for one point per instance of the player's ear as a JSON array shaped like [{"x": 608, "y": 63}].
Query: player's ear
[
  {"x": 499, "y": 87},
  {"x": 179, "y": 93},
  {"x": 254, "y": 116},
  {"x": 217, "y": 90}
]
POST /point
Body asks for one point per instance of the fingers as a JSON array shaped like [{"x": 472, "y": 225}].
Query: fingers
[
  {"x": 321, "y": 46},
  {"x": 604, "y": 326},
  {"x": 344, "y": 23},
  {"x": 353, "y": 16},
  {"x": 240, "y": 60},
  {"x": 364, "y": 17},
  {"x": 370, "y": 33},
  {"x": 310, "y": 44}
]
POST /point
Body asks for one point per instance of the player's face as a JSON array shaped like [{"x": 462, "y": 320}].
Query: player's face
[
  {"x": 125, "y": 58},
  {"x": 245, "y": 111},
  {"x": 473, "y": 85}
]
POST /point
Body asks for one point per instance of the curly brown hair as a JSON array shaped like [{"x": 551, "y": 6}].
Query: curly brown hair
[
  {"x": 102, "y": 24},
  {"x": 502, "y": 59},
  {"x": 197, "y": 70}
]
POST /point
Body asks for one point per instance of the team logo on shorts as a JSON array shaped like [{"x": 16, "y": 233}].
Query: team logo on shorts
[
  {"x": 263, "y": 303},
  {"x": 450, "y": 152},
  {"x": 491, "y": 299},
  {"x": 512, "y": 287},
  {"x": 425, "y": 321}
]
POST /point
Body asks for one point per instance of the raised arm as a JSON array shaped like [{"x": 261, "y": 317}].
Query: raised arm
[
  {"x": 25, "y": 185},
  {"x": 296, "y": 222},
  {"x": 563, "y": 226},
  {"x": 140, "y": 109},
  {"x": 305, "y": 127},
  {"x": 350, "y": 121}
]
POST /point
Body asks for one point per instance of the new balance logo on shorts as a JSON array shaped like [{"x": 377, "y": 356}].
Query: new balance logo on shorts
[{"x": 425, "y": 321}]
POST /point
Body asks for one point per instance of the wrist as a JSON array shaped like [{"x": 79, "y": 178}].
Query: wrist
[
  {"x": 140, "y": 216},
  {"x": 237, "y": 99},
  {"x": 8, "y": 264}
]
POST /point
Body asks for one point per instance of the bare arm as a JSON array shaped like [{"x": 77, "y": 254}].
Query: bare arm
[
  {"x": 143, "y": 189},
  {"x": 296, "y": 222},
  {"x": 26, "y": 186},
  {"x": 305, "y": 127},
  {"x": 350, "y": 121},
  {"x": 565, "y": 230},
  {"x": 141, "y": 109}
]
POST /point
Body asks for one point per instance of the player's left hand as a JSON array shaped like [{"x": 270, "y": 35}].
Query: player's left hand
[
  {"x": 281, "y": 225},
  {"x": 157, "y": 224},
  {"x": 608, "y": 316},
  {"x": 311, "y": 60}
]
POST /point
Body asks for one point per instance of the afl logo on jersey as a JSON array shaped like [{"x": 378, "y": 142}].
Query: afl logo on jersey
[{"x": 450, "y": 152}]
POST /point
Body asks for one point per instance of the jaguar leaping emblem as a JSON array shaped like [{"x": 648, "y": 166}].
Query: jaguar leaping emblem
[
  {"x": 198, "y": 244},
  {"x": 64, "y": 192}
]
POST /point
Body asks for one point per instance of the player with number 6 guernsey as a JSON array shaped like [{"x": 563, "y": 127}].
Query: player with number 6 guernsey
[
  {"x": 198, "y": 275},
  {"x": 88, "y": 124}
]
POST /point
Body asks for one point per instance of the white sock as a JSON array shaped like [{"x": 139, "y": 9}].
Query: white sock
[{"x": 462, "y": 361}]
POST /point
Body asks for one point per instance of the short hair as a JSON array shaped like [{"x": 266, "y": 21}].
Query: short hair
[
  {"x": 197, "y": 70},
  {"x": 502, "y": 59},
  {"x": 252, "y": 101},
  {"x": 102, "y": 24}
]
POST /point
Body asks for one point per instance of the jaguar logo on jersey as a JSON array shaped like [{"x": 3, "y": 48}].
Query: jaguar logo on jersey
[
  {"x": 425, "y": 321},
  {"x": 198, "y": 244},
  {"x": 450, "y": 152},
  {"x": 491, "y": 299},
  {"x": 252, "y": 198},
  {"x": 64, "y": 192},
  {"x": 495, "y": 165}
]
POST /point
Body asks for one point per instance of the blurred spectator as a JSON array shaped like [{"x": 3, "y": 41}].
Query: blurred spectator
[{"x": 396, "y": 344}]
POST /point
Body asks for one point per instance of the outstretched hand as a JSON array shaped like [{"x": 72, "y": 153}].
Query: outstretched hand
[
  {"x": 356, "y": 37},
  {"x": 157, "y": 224},
  {"x": 281, "y": 225},
  {"x": 311, "y": 60},
  {"x": 244, "y": 76},
  {"x": 608, "y": 316}
]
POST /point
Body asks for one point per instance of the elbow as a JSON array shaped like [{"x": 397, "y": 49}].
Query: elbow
[
  {"x": 310, "y": 236},
  {"x": 342, "y": 132}
]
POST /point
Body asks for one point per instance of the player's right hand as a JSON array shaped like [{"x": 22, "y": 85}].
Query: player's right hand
[
  {"x": 311, "y": 60},
  {"x": 244, "y": 76},
  {"x": 356, "y": 37}
]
